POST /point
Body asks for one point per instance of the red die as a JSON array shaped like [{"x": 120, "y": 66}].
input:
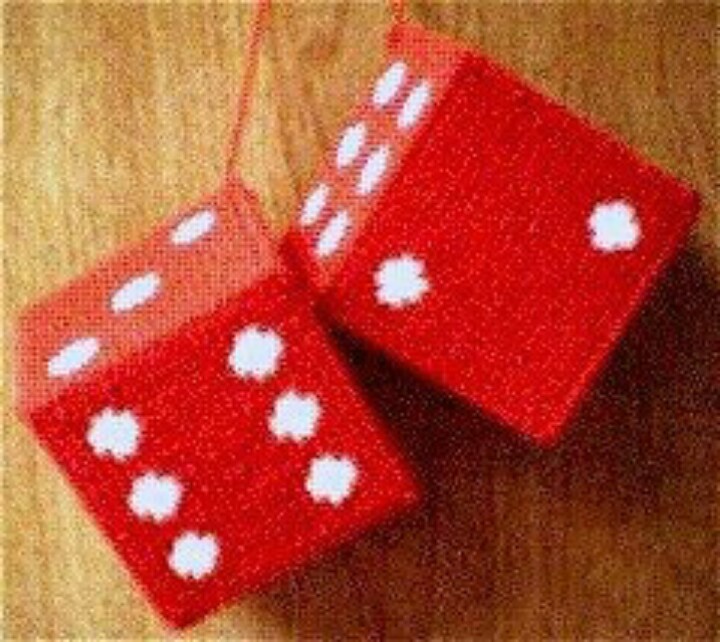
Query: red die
[
  {"x": 188, "y": 393},
  {"x": 484, "y": 235}
]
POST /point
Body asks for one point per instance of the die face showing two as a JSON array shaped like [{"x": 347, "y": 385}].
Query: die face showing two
[
  {"x": 229, "y": 446},
  {"x": 506, "y": 244}
]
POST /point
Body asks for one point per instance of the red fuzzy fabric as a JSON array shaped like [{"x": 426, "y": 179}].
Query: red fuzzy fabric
[
  {"x": 528, "y": 236},
  {"x": 168, "y": 362}
]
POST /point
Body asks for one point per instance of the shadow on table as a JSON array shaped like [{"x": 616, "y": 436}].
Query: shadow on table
[{"x": 610, "y": 532}]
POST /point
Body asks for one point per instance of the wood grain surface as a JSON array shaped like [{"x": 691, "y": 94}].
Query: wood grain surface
[{"x": 117, "y": 113}]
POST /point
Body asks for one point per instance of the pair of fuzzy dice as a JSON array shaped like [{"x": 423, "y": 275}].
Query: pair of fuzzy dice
[
  {"x": 187, "y": 392},
  {"x": 483, "y": 235},
  {"x": 466, "y": 225}
]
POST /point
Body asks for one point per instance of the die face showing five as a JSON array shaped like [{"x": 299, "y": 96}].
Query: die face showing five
[
  {"x": 226, "y": 449},
  {"x": 509, "y": 245}
]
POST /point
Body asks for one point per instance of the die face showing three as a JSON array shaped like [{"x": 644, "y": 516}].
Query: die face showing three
[
  {"x": 507, "y": 242},
  {"x": 142, "y": 294},
  {"x": 225, "y": 444}
]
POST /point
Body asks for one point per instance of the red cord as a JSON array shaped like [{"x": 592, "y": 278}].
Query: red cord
[
  {"x": 399, "y": 10},
  {"x": 258, "y": 29}
]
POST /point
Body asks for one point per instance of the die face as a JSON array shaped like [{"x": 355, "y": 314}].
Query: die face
[
  {"x": 216, "y": 462},
  {"x": 509, "y": 250},
  {"x": 369, "y": 152},
  {"x": 188, "y": 394},
  {"x": 141, "y": 294}
]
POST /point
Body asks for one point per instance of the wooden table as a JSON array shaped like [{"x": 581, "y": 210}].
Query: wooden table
[{"x": 117, "y": 114}]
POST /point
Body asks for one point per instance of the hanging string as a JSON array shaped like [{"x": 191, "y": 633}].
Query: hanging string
[
  {"x": 399, "y": 11},
  {"x": 258, "y": 29}
]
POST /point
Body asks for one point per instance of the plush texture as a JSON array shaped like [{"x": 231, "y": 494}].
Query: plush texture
[
  {"x": 489, "y": 239},
  {"x": 189, "y": 395}
]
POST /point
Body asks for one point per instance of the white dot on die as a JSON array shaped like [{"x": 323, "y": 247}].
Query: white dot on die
[
  {"x": 193, "y": 228},
  {"x": 388, "y": 85},
  {"x": 373, "y": 170},
  {"x": 401, "y": 281},
  {"x": 73, "y": 357},
  {"x": 331, "y": 237},
  {"x": 193, "y": 556},
  {"x": 155, "y": 496},
  {"x": 295, "y": 416},
  {"x": 614, "y": 227},
  {"x": 135, "y": 292},
  {"x": 255, "y": 353},
  {"x": 314, "y": 204},
  {"x": 114, "y": 434},
  {"x": 331, "y": 479},
  {"x": 350, "y": 144},
  {"x": 414, "y": 105}
]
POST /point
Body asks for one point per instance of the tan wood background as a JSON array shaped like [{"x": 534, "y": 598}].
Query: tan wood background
[{"x": 116, "y": 113}]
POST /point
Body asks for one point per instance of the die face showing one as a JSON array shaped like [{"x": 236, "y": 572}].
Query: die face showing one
[
  {"x": 508, "y": 250},
  {"x": 227, "y": 449},
  {"x": 141, "y": 294}
]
